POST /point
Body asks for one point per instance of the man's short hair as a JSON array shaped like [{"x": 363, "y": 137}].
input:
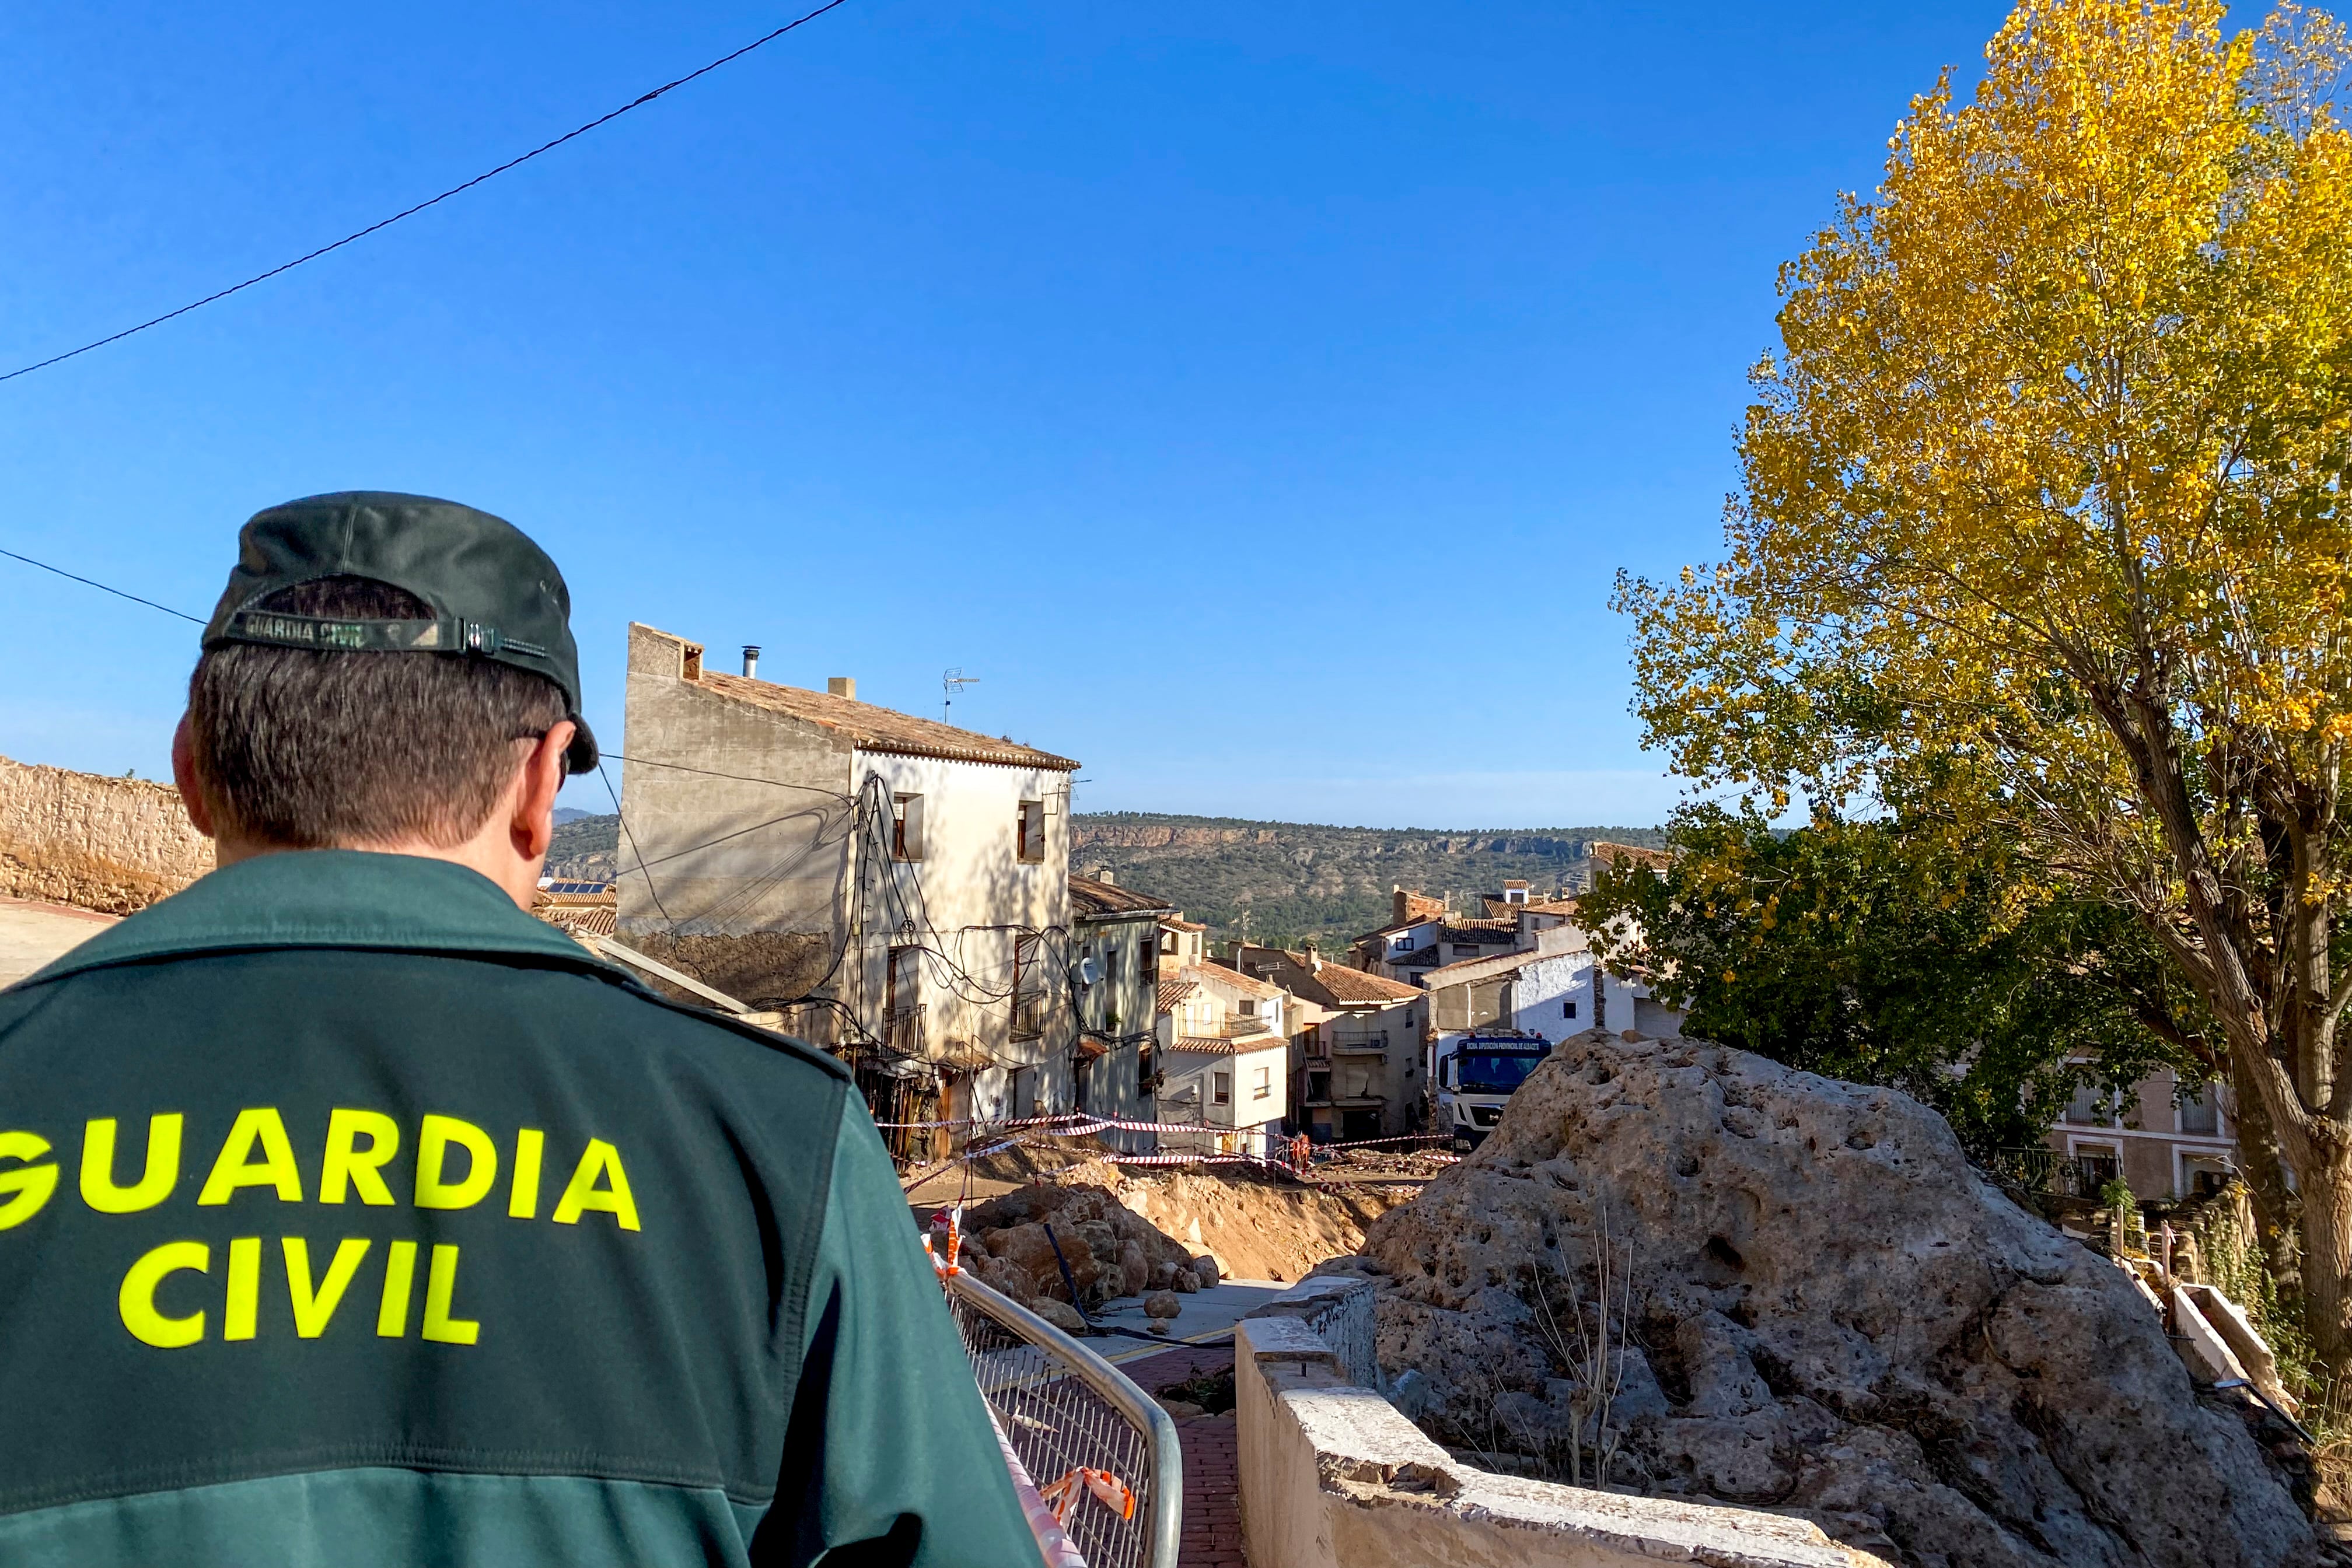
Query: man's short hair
[{"x": 308, "y": 748}]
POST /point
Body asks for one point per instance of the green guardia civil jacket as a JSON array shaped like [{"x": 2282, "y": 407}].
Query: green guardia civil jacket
[{"x": 351, "y": 1217}]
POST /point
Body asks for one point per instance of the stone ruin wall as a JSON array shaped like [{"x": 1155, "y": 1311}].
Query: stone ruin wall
[{"x": 115, "y": 845}]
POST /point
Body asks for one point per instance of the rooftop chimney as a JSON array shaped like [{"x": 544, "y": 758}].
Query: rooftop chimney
[
  {"x": 1104, "y": 875},
  {"x": 751, "y": 660},
  {"x": 841, "y": 686}
]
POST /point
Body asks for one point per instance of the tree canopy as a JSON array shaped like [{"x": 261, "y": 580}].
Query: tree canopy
[
  {"x": 2042, "y": 524},
  {"x": 1882, "y": 954}
]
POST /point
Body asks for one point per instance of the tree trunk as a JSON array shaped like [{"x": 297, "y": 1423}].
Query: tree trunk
[
  {"x": 2278, "y": 1212},
  {"x": 2328, "y": 1254}
]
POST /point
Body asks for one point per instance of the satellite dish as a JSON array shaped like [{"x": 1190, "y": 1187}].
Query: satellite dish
[{"x": 1089, "y": 971}]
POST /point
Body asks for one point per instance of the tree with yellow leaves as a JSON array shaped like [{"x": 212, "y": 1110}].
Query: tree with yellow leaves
[{"x": 2044, "y": 526}]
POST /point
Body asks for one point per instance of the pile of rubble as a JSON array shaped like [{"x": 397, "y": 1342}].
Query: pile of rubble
[
  {"x": 1418, "y": 1162},
  {"x": 1813, "y": 1305},
  {"x": 1020, "y": 1245}
]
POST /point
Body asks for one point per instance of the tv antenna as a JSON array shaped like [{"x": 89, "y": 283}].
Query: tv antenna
[{"x": 952, "y": 683}]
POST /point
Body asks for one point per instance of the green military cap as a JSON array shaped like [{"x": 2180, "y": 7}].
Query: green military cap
[{"x": 493, "y": 592}]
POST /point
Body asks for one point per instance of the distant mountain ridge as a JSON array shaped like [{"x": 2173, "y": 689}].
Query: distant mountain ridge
[
  {"x": 1299, "y": 880},
  {"x": 1290, "y": 881}
]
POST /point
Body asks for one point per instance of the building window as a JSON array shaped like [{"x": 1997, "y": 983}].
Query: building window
[
  {"x": 2092, "y": 1106},
  {"x": 1151, "y": 952},
  {"x": 1249, "y": 1006},
  {"x": 1264, "y": 1089},
  {"x": 2199, "y": 1115},
  {"x": 1143, "y": 1073},
  {"x": 906, "y": 827},
  {"x": 1567, "y": 1008},
  {"x": 1029, "y": 831},
  {"x": 1028, "y": 989},
  {"x": 1223, "y": 1093}
]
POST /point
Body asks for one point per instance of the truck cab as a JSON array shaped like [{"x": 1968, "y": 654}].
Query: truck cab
[{"x": 1475, "y": 1074}]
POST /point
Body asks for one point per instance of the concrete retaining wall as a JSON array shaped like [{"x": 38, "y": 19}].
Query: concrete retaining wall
[
  {"x": 1331, "y": 1474},
  {"x": 110, "y": 844},
  {"x": 1338, "y": 1310}
]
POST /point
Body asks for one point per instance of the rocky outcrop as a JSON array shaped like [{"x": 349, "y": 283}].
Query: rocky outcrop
[{"x": 1820, "y": 1308}]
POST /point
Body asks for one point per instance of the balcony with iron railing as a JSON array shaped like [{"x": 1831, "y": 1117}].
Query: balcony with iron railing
[
  {"x": 1029, "y": 1014},
  {"x": 2039, "y": 1168},
  {"x": 902, "y": 1029}
]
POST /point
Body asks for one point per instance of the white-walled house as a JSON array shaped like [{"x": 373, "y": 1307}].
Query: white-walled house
[
  {"x": 1116, "y": 932},
  {"x": 1559, "y": 990},
  {"x": 1224, "y": 1061},
  {"x": 902, "y": 885},
  {"x": 1357, "y": 1044}
]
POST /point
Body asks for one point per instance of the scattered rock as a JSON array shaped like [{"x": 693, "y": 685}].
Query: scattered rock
[
  {"x": 1180, "y": 1408},
  {"x": 1060, "y": 1314},
  {"x": 1161, "y": 1304},
  {"x": 1833, "y": 1316}
]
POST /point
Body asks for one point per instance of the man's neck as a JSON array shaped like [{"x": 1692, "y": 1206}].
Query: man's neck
[{"x": 493, "y": 856}]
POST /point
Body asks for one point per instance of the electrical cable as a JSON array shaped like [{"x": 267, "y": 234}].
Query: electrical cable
[
  {"x": 102, "y": 588},
  {"x": 638, "y": 102},
  {"x": 913, "y": 915},
  {"x": 616, "y": 794}
]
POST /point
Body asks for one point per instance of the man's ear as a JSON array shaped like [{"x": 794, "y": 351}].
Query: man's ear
[
  {"x": 183, "y": 776},
  {"x": 533, "y": 829}
]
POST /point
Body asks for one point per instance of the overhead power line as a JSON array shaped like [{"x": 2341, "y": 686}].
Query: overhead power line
[
  {"x": 102, "y": 588},
  {"x": 357, "y": 234}
]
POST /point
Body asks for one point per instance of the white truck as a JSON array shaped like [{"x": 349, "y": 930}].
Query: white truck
[{"x": 1476, "y": 1073}]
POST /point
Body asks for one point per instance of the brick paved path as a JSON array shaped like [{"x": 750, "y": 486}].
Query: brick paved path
[{"x": 1212, "y": 1504}]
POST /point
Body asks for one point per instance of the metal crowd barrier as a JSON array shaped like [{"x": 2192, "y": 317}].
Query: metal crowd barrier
[{"x": 1064, "y": 1408}]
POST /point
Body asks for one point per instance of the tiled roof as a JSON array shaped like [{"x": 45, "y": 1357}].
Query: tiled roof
[
  {"x": 1180, "y": 923},
  {"x": 1248, "y": 985},
  {"x": 578, "y": 915},
  {"x": 1089, "y": 897},
  {"x": 1172, "y": 991},
  {"x": 579, "y": 919},
  {"x": 1216, "y": 1045},
  {"x": 1487, "y": 932},
  {"x": 875, "y": 728},
  {"x": 1347, "y": 985}
]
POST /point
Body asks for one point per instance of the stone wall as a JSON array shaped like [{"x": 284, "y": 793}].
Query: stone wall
[
  {"x": 110, "y": 844},
  {"x": 1332, "y": 1474}
]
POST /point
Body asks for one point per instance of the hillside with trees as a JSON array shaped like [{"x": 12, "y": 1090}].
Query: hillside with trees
[{"x": 1292, "y": 881}]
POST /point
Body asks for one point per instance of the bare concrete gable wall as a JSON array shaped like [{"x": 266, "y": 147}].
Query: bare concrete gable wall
[
  {"x": 110, "y": 844},
  {"x": 735, "y": 849}
]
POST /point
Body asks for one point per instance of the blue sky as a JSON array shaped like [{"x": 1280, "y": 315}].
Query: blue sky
[{"x": 1259, "y": 400}]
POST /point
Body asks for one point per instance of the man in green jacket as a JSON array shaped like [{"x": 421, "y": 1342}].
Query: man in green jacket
[{"x": 351, "y": 1217}]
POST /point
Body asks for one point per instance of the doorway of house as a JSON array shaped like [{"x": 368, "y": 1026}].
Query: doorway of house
[{"x": 1360, "y": 1122}]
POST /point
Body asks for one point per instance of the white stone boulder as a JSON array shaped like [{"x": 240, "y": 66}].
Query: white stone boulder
[{"x": 1831, "y": 1315}]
